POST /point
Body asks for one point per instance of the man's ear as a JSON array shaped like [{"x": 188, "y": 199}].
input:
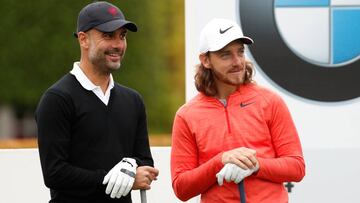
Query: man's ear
[
  {"x": 204, "y": 59},
  {"x": 83, "y": 39}
]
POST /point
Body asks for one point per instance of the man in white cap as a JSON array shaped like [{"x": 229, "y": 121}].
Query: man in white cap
[
  {"x": 92, "y": 131},
  {"x": 233, "y": 129}
]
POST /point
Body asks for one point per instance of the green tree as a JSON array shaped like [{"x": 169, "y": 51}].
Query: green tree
[{"x": 37, "y": 48}]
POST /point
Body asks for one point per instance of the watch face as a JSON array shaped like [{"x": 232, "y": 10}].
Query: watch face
[{"x": 309, "y": 48}]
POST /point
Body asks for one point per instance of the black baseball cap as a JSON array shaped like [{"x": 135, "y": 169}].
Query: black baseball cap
[{"x": 104, "y": 17}]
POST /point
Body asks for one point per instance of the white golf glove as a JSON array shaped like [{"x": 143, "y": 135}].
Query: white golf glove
[
  {"x": 120, "y": 178},
  {"x": 232, "y": 172}
]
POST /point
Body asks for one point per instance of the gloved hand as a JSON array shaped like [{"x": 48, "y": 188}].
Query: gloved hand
[
  {"x": 120, "y": 178},
  {"x": 232, "y": 172}
]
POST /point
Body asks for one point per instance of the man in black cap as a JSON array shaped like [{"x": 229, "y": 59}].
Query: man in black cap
[{"x": 92, "y": 132}]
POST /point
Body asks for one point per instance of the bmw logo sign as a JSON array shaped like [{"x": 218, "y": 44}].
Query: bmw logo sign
[{"x": 311, "y": 48}]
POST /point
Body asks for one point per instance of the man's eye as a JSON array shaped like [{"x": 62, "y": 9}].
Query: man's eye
[
  {"x": 123, "y": 35},
  {"x": 107, "y": 34},
  {"x": 224, "y": 55}
]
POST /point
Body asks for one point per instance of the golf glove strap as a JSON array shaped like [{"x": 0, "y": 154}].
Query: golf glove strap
[{"x": 120, "y": 178}]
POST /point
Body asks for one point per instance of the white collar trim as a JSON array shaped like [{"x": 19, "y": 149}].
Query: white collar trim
[{"x": 84, "y": 80}]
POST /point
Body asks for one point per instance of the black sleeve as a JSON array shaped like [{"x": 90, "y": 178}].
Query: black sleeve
[
  {"x": 142, "y": 148},
  {"x": 53, "y": 116}
]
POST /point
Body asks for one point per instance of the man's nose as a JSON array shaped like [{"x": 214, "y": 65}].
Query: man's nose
[
  {"x": 236, "y": 60},
  {"x": 119, "y": 42}
]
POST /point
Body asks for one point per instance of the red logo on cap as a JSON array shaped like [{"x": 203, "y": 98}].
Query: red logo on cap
[{"x": 112, "y": 11}]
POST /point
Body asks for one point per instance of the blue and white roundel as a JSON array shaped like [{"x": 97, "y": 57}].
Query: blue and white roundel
[{"x": 322, "y": 32}]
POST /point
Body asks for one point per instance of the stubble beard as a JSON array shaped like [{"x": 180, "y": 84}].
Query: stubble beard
[
  {"x": 237, "y": 81},
  {"x": 98, "y": 58}
]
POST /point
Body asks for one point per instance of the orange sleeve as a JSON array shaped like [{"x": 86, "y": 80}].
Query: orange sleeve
[
  {"x": 288, "y": 165},
  {"x": 188, "y": 178}
]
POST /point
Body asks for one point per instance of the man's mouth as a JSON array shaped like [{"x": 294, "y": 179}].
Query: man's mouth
[
  {"x": 235, "y": 70},
  {"x": 114, "y": 56}
]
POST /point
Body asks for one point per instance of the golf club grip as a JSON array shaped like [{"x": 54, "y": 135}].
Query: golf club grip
[{"x": 143, "y": 196}]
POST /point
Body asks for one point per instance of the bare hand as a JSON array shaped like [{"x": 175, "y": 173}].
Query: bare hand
[
  {"x": 243, "y": 157},
  {"x": 144, "y": 176}
]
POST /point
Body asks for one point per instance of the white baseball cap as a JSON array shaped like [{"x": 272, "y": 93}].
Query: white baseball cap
[{"x": 218, "y": 33}]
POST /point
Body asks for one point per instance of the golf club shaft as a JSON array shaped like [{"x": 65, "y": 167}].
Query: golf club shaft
[
  {"x": 242, "y": 192},
  {"x": 143, "y": 196}
]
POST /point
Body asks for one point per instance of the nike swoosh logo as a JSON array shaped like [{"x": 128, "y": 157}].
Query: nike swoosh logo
[
  {"x": 242, "y": 105},
  {"x": 223, "y": 31}
]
